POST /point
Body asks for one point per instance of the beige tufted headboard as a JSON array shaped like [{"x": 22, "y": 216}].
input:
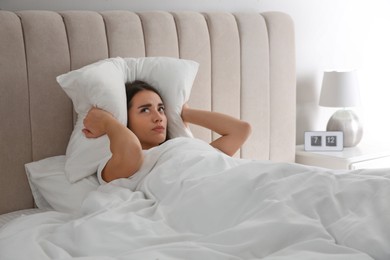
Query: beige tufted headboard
[{"x": 247, "y": 69}]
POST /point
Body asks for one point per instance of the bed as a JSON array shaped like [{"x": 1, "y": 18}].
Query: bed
[{"x": 188, "y": 201}]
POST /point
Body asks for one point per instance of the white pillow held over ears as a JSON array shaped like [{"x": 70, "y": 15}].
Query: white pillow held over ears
[{"x": 100, "y": 84}]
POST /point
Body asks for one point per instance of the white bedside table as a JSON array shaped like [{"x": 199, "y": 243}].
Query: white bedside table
[{"x": 367, "y": 156}]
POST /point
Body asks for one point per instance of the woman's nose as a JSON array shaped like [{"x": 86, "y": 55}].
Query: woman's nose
[{"x": 157, "y": 116}]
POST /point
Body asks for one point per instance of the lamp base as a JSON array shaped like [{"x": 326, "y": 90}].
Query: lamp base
[{"x": 348, "y": 122}]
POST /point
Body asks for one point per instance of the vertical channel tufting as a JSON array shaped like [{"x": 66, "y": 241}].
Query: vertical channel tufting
[
  {"x": 46, "y": 57},
  {"x": 15, "y": 136},
  {"x": 87, "y": 37},
  {"x": 194, "y": 44},
  {"x": 283, "y": 86},
  {"x": 225, "y": 63},
  {"x": 159, "y": 34},
  {"x": 124, "y": 34},
  {"x": 255, "y": 85}
]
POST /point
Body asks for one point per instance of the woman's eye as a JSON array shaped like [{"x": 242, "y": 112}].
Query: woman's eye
[
  {"x": 144, "y": 110},
  {"x": 161, "y": 109}
]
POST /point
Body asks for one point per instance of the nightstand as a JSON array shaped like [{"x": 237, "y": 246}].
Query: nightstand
[{"x": 363, "y": 156}]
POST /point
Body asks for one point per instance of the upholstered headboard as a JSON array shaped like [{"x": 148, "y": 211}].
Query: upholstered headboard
[{"x": 247, "y": 69}]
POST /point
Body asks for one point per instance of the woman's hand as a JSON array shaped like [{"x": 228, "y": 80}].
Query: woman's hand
[{"x": 95, "y": 123}]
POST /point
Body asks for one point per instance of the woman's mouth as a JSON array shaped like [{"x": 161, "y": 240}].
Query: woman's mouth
[{"x": 159, "y": 129}]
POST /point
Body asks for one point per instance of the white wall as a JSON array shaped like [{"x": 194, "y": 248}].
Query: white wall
[{"x": 330, "y": 35}]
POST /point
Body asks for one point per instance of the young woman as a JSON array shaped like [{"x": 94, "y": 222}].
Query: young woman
[{"x": 147, "y": 128}]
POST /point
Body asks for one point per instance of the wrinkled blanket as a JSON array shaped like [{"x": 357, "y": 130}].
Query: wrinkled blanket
[{"x": 190, "y": 201}]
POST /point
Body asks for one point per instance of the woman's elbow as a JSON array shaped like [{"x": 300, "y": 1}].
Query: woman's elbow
[{"x": 245, "y": 129}]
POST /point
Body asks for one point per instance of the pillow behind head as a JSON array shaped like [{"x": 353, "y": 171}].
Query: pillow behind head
[
  {"x": 173, "y": 78},
  {"x": 100, "y": 84}
]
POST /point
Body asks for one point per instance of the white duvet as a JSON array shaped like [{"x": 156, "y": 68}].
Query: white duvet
[{"x": 190, "y": 201}]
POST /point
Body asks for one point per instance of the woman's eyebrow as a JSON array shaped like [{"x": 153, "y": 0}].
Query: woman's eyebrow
[
  {"x": 145, "y": 105},
  {"x": 149, "y": 105}
]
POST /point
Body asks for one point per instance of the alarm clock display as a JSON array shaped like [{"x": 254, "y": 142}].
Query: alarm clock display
[{"x": 324, "y": 141}]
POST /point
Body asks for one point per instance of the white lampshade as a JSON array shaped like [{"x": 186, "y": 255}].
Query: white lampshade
[{"x": 340, "y": 89}]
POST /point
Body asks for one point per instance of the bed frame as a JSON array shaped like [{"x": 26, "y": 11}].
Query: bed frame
[{"x": 247, "y": 69}]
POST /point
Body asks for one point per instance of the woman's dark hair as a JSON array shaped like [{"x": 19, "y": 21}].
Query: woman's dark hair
[{"x": 134, "y": 87}]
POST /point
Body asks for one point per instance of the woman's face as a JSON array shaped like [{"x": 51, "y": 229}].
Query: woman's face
[{"x": 147, "y": 118}]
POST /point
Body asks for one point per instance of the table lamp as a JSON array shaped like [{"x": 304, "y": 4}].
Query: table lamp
[{"x": 340, "y": 89}]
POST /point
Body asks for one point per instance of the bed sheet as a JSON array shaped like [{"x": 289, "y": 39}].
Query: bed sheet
[{"x": 190, "y": 201}]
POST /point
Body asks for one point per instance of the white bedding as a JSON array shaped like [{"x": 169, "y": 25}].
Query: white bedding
[
  {"x": 190, "y": 201},
  {"x": 5, "y": 218}
]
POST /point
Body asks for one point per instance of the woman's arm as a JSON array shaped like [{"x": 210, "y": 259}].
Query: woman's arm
[
  {"x": 234, "y": 132},
  {"x": 125, "y": 147}
]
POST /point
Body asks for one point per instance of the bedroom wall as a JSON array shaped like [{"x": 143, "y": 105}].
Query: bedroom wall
[{"x": 330, "y": 35}]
